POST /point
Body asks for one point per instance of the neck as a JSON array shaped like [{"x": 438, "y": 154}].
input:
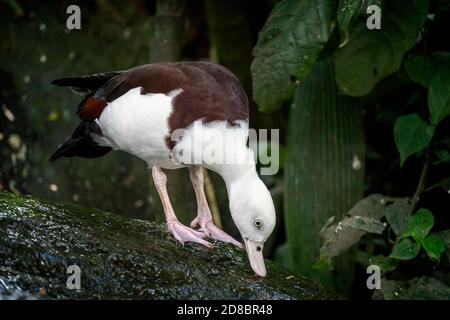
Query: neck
[
  {"x": 237, "y": 174},
  {"x": 239, "y": 162}
]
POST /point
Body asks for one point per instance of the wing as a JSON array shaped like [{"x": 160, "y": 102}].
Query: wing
[{"x": 209, "y": 91}]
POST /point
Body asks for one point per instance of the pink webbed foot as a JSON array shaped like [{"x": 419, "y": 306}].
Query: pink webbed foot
[
  {"x": 208, "y": 228},
  {"x": 186, "y": 234}
]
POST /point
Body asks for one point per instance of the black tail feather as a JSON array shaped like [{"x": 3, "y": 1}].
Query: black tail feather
[
  {"x": 82, "y": 144},
  {"x": 65, "y": 150},
  {"x": 87, "y": 83}
]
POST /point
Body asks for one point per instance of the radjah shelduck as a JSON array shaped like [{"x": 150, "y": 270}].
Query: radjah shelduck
[{"x": 140, "y": 110}]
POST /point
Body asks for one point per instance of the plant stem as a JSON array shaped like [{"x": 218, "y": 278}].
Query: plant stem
[
  {"x": 418, "y": 192},
  {"x": 420, "y": 186},
  {"x": 434, "y": 186}
]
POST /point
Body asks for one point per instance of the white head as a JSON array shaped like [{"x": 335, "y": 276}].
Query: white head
[{"x": 253, "y": 212}]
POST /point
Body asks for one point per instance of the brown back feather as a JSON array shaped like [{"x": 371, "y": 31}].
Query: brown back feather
[{"x": 210, "y": 92}]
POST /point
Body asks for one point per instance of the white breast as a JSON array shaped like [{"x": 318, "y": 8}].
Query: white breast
[
  {"x": 138, "y": 124},
  {"x": 216, "y": 145}
]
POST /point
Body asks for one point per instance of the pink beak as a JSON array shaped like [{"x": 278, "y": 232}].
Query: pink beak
[{"x": 255, "y": 255}]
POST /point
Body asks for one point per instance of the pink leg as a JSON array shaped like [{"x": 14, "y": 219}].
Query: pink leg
[
  {"x": 179, "y": 231},
  {"x": 204, "y": 218}
]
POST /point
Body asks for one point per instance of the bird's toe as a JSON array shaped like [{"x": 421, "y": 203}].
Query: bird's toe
[
  {"x": 220, "y": 235},
  {"x": 186, "y": 234}
]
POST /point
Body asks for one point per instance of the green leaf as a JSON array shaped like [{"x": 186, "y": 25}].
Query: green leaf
[
  {"x": 433, "y": 72},
  {"x": 443, "y": 155},
  {"x": 412, "y": 135},
  {"x": 288, "y": 46},
  {"x": 433, "y": 246},
  {"x": 439, "y": 95},
  {"x": 386, "y": 264},
  {"x": 421, "y": 69},
  {"x": 397, "y": 215},
  {"x": 349, "y": 11},
  {"x": 371, "y": 55},
  {"x": 405, "y": 250},
  {"x": 419, "y": 225}
]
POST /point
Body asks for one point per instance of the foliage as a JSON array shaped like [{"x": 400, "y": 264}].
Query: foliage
[
  {"x": 348, "y": 12},
  {"x": 413, "y": 232},
  {"x": 405, "y": 250},
  {"x": 433, "y": 72},
  {"x": 412, "y": 133},
  {"x": 288, "y": 46},
  {"x": 419, "y": 227},
  {"x": 401, "y": 76},
  {"x": 370, "y": 56}
]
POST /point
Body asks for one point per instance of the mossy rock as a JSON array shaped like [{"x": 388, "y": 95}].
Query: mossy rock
[{"x": 122, "y": 258}]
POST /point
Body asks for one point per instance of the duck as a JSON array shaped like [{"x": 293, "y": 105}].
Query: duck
[{"x": 176, "y": 115}]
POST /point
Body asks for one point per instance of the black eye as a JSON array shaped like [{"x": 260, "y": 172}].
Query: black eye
[{"x": 257, "y": 223}]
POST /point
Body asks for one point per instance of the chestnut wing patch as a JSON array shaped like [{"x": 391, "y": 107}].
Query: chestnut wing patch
[{"x": 90, "y": 108}]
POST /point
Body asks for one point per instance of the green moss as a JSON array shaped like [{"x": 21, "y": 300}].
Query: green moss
[{"x": 123, "y": 258}]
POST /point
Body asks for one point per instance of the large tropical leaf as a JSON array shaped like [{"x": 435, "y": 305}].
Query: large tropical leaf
[{"x": 288, "y": 45}]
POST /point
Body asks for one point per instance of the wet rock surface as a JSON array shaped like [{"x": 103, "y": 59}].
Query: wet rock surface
[{"x": 122, "y": 258}]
